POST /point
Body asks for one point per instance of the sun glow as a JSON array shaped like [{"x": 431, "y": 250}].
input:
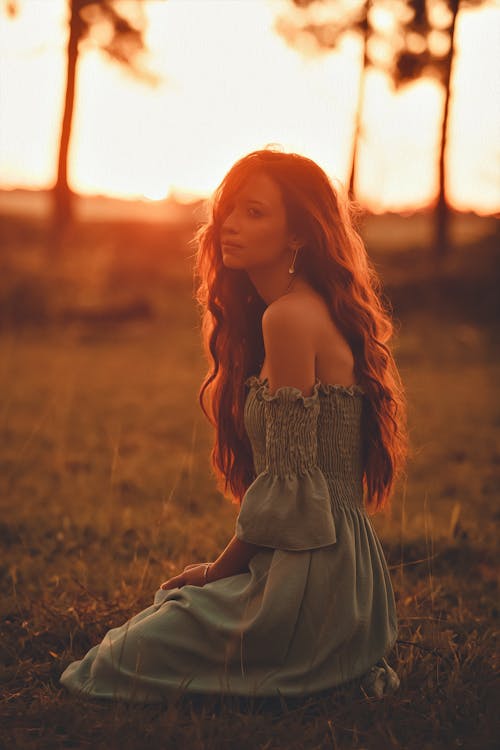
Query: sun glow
[{"x": 231, "y": 84}]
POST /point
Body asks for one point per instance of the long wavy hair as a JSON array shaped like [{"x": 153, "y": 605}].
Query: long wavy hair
[{"x": 334, "y": 261}]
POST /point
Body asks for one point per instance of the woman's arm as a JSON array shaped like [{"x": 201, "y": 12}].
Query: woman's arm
[{"x": 233, "y": 560}]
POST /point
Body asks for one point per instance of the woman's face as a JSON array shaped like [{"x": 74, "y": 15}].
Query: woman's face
[{"x": 254, "y": 233}]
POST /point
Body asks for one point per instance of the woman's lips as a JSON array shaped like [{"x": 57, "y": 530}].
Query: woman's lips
[{"x": 232, "y": 246}]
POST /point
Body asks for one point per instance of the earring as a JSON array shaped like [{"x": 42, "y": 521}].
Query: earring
[{"x": 292, "y": 267}]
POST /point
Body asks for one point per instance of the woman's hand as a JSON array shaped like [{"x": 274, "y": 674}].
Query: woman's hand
[{"x": 192, "y": 574}]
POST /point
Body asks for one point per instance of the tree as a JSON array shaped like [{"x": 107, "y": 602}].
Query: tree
[
  {"x": 121, "y": 38},
  {"x": 423, "y": 44},
  {"x": 430, "y": 50},
  {"x": 347, "y": 17}
]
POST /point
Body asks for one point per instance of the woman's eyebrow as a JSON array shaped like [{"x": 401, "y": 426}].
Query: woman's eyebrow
[{"x": 254, "y": 200}]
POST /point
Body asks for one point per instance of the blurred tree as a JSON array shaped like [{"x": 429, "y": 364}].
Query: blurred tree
[
  {"x": 116, "y": 28},
  {"x": 328, "y": 25},
  {"x": 429, "y": 50},
  {"x": 407, "y": 39}
]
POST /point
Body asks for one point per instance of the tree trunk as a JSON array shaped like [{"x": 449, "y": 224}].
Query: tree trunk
[
  {"x": 442, "y": 215},
  {"x": 359, "y": 108},
  {"x": 62, "y": 208}
]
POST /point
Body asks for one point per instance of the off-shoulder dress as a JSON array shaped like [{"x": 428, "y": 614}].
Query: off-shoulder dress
[{"x": 316, "y": 608}]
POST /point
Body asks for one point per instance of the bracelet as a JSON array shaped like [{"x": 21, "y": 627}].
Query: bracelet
[{"x": 207, "y": 566}]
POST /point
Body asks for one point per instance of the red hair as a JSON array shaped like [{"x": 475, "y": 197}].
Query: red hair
[{"x": 334, "y": 261}]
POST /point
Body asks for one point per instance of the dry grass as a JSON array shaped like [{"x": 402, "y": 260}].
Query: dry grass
[{"x": 106, "y": 490}]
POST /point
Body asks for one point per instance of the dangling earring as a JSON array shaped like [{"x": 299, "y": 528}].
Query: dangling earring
[{"x": 292, "y": 267}]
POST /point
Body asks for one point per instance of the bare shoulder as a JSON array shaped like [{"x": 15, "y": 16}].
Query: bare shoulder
[
  {"x": 303, "y": 306},
  {"x": 303, "y": 342},
  {"x": 290, "y": 334},
  {"x": 301, "y": 312}
]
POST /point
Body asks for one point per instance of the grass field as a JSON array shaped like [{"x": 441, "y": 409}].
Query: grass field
[{"x": 106, "y": 490}]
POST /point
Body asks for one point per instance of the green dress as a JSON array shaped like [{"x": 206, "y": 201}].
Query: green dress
[{"x": 316, "y": 608}]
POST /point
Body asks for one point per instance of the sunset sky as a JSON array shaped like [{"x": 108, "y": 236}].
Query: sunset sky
[{"x": 229, "y": 85}]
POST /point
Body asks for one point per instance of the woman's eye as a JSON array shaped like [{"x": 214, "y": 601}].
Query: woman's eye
[{"x": 254, "y": 212}]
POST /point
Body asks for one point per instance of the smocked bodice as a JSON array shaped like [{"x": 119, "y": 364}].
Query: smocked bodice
[{"x": 323, "y": 429}]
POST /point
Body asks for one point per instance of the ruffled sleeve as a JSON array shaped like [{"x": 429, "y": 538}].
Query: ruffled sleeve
[{"x": 288, "y": 505}]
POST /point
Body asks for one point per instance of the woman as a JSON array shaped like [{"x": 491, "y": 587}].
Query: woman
[{"x": 309, "y": 417}]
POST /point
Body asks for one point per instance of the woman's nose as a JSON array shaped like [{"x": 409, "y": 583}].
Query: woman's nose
[{"x": 230, "y": 223}]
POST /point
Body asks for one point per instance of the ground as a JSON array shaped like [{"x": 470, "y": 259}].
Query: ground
[{"x": 106, "y": 491}]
